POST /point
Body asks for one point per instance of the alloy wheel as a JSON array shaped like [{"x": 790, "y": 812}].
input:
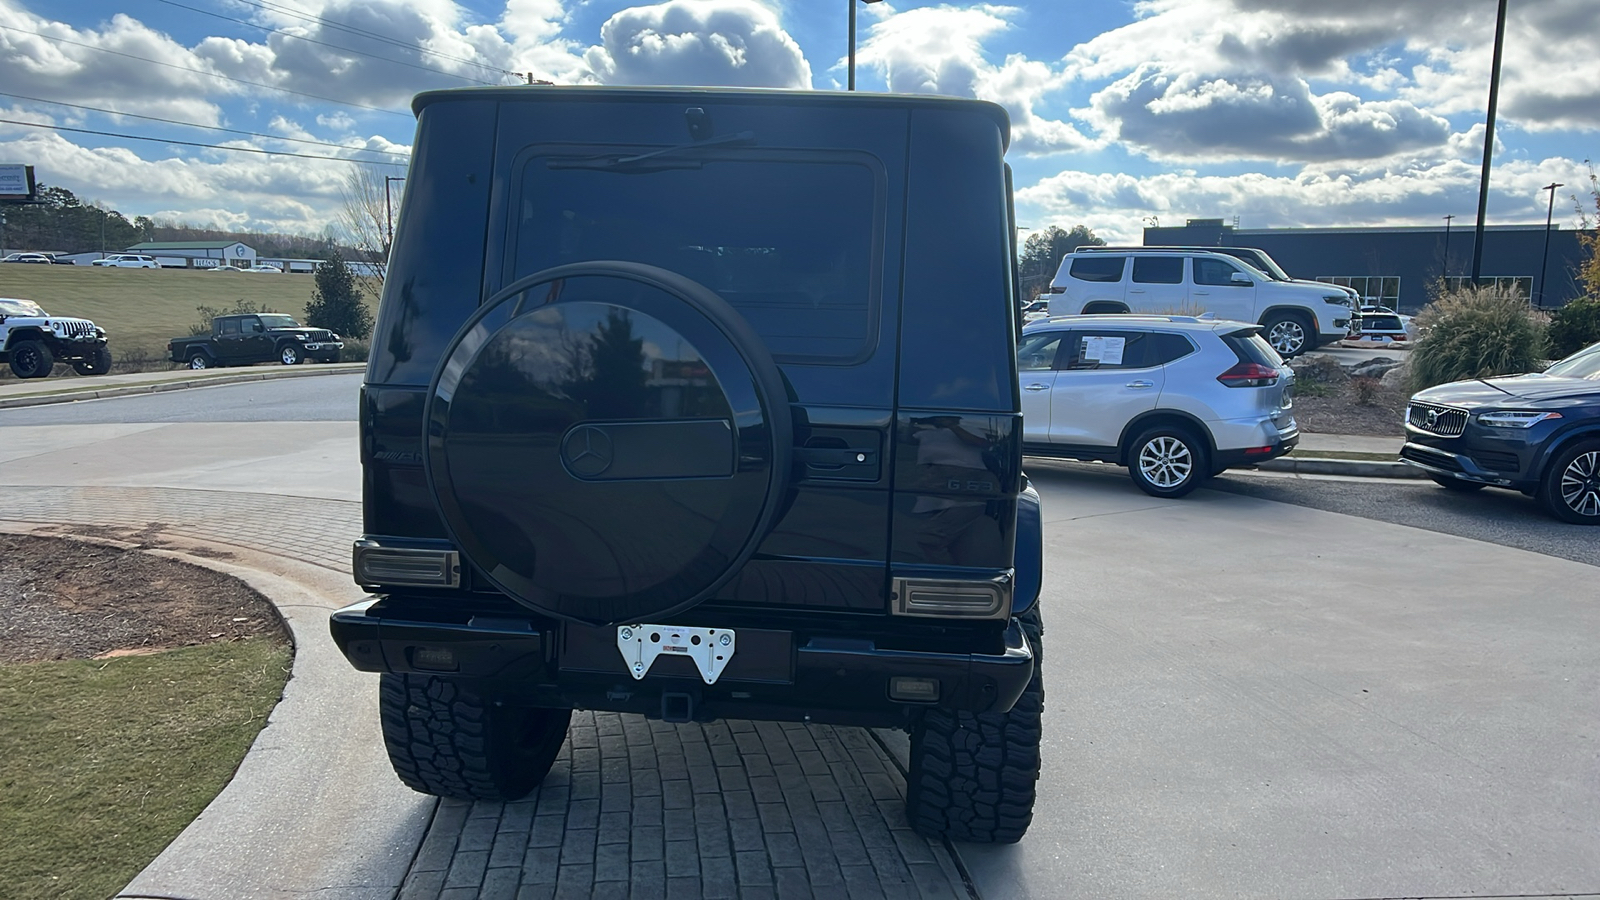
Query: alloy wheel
[
  {"x": 1580, "y": 484},
  {"x": 1166, "y": 462},
  {"x": 1287, "y": 337}
]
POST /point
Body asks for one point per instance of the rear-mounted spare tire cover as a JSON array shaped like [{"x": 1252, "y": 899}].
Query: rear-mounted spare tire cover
[{"x": 607, "y": 441}]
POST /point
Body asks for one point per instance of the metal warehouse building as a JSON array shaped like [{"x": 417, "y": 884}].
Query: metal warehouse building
[{"x": 1399, "y": 267}]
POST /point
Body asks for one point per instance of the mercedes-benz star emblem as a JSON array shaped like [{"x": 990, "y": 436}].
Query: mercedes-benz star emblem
[{"x": 587, "y": 451}]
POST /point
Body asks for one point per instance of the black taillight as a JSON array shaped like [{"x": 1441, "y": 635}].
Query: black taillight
[{"x": 1249, "y": 374}]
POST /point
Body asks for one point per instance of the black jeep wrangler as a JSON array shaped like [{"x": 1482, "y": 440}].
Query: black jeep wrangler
[{"x": 699, "y": 404}]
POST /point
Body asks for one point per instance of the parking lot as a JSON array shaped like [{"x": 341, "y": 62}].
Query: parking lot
[{"x": 1270, "y": 688}]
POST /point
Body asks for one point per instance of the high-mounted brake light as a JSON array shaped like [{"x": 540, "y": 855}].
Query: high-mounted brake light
[{"x": 1249, "y": 375}]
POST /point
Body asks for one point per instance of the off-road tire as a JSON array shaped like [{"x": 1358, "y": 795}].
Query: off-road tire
[
  {"x": 1179, "y": 447},
  {"x": 1457, "y": 485},
  {"x": 1280, "y": 330},
  {"x": 1570, "y": 488},
  {"x": 447, "y": 739},
  {"x": 31, "y": 359},
  {"x": 974, "y": 776},
  {"x": 200, "y": 359},
  {"x": 290, "y": 355},
  {"x": 99, "y": 364}
]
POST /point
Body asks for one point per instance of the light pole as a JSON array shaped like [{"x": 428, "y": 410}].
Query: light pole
[
  {"x": 388, "y": 211},
  {"x": 1488, "y": 142},
  {"x": 1545, "y": 260},
  {"x": 1444, "y": 266},
  {"x": 852, "y": 75}
]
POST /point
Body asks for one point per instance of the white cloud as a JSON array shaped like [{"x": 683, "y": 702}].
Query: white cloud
[
  {"x": 738, "y": 43},
  {"x": 940, "y": 50}
]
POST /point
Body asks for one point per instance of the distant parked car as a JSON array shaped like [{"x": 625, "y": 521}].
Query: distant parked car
[
  {"x": 1038, "y": 309},
  {"x": 1176, "y": 399},
  {"x": 27, "y": 258},
  {"x": 128, "y": 261},
  {"x": 1381, "y": 327},
  {"x": 265, "y": 269},
  {"x": 1537, "y": 433}
]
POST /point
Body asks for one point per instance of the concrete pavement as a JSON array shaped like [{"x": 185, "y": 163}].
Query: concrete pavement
[{"x": 15, "y": 392}]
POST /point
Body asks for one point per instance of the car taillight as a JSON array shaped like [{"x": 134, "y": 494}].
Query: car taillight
[{"x": 1249, "y": 374}]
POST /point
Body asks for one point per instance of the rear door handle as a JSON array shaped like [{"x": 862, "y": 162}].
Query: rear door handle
[
  {"x": 1037, "y": 387},
  {"x": 1201, "y": 293},
  {"x": 1141, "y": 384}
]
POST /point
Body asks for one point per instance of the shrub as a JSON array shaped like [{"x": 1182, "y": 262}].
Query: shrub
[
  {"x": 1574, "y": 327},
  {"x": 1366, "y": 388},
  {"x": 354, "y": 350},
  {"x": 1318, "y": 375},
  {"x": 336, "y": 302},
  {"x": 1476, "y": 332}
]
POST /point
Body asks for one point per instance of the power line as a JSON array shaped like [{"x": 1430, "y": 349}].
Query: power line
[
  {"x": 371, "y": 35},
  {"x": 272, "y": 137},
  {"x": 158, "y": 62},
  {"x": 156, "y": 140},
  {"x": 297, "y": 37}
]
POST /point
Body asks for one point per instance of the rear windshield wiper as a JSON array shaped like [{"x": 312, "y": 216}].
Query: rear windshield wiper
[{"x": 655, "y": 160}]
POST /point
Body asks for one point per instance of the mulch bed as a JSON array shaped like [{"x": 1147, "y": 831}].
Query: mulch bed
[{"x": 69, "y": 599}]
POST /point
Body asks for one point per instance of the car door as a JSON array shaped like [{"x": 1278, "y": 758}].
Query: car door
[
  {"x": 1157, "y": 284},
  {"x": 255, "y": 343},
  {"x": 1036, "y": 371},
  {"x": 1216, "y": 290},
  {"x": 1102, "y": 382},
  {"x": 229, "y": 343}
]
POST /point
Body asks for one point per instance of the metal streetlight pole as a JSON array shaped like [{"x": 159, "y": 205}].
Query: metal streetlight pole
[
  {"x": 1545, "y": 260},
  {"x": 1444, "y": 267},
  {"x": 852, "y": 75},
  {"x": 1488, "y": 142},
  {"x": 388, "y": 210}
]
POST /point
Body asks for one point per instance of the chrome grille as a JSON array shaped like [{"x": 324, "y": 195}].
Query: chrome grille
[{"x": 1443, "y": 421}]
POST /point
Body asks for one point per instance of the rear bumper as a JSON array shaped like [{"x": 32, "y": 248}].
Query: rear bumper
[
  {"x": 1245, "y": 442},
  {"x": 840, "y": 678}
]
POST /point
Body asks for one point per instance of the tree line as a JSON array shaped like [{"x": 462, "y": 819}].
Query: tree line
[{"x": 62, "y": 223}]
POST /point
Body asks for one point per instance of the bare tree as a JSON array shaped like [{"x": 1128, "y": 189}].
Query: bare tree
[{"x": 366, "y": 216}]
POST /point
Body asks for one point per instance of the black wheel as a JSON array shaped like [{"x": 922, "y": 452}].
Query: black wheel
[
  {"x": 1571, "y": 486},
  {"x": 99, "y": 364},
  {"x": 200, "y": 359},
  {"x": 1289, "y": 333},
  {"x": 1457, "y": 485},
  {"x": 549, "y": 452},
  {"x": 447, "y": 739},
  {"x": 973, "y": 776},
  {"x": 31, "y": 359},
  {"x": 290, "y": 355},
  {"x": 1168, "y": 462}
]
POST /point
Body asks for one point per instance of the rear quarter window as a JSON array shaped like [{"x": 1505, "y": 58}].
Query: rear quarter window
[
  {"x": 1098, "y": 268},
  {"x": 1251, "y": 347}
]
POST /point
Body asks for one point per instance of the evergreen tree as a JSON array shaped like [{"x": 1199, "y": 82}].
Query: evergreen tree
[
  {"x": 1042, "y": 252},
  {"x": 336, "y": 301}
]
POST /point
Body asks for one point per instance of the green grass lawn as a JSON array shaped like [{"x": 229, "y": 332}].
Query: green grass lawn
[
  {"x": 105, "y": 762},
  {"x": 144, "y": 308}
]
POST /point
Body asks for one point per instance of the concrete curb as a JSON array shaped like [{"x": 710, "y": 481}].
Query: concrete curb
[
  {"x": 1355, "y": 468},
  {"x": 182, "y": 382}
]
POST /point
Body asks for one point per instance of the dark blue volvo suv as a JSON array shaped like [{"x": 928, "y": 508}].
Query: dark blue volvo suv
[{"x": 1537, "y": 433}]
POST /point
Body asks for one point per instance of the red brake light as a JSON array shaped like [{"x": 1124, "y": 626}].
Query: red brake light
[{"x": 1249, "y": 374}]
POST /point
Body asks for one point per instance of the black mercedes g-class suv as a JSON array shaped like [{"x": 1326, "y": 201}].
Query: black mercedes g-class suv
[{"x": 701, "y": 404}]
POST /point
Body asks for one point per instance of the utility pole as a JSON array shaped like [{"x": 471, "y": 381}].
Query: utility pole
[
  {"x": 1444, "y": 267},
  {"x": 1545, "y": 260},
  {"x": 1488, "y": 142},
  {"x": 851, "y": 82}
]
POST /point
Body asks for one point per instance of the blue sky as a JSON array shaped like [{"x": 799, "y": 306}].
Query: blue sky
[{"x": 1280, "y": 112}]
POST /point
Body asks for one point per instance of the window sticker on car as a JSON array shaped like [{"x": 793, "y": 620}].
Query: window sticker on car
[{"x": 1106, "y": 351}]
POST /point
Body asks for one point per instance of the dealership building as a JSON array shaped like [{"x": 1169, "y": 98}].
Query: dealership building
[{"x": 1401, "y": 267}]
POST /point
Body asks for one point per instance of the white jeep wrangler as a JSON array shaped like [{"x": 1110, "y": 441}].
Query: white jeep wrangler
[{"x": 33, "y": 341}]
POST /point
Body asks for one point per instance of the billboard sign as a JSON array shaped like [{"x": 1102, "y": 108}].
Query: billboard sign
[{"x": 16, "y": 182}]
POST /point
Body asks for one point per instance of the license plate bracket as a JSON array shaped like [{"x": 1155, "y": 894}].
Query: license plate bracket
[{"x": 642, "y": 644}]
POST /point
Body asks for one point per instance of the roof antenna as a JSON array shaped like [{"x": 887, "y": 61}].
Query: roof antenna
[{"x": 699, "y": 123}]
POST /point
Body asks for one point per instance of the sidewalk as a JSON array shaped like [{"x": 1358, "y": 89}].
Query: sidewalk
[
  {"x": 16, "y": 392},
  {"x": 1329, "y": 454}
]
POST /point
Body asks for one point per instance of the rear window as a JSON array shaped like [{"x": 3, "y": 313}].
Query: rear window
[
  {"x": 1370, "y": 322},
  {"x": 1098, "y": 268},
  {"x": 1251, "y": 347},
  {"x": 791, "y": 243}
]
